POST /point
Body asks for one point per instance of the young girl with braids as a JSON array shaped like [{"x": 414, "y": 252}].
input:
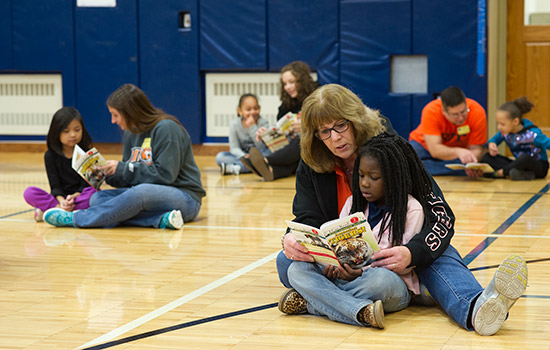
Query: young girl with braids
[
  {"x": 391, "y": 186},
  {"x": 382, "y": 179},
  {"x": 527, "y": 143},
  {"x": 335, "y": 124}
]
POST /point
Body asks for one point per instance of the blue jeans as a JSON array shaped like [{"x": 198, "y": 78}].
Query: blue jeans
[
  {"x": 341, "y": 300},
  {"x": 229, "y": 158},
  {"x": 452, "y": 285},
  {"x": 140, "y": 205},
  {"x": 447, "y": 279},
  {"x": 433, "y": 165}
]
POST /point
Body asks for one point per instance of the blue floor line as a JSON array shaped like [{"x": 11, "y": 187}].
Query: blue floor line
[
  {"x": 502, "y": 228},
  {"x": 467, "y": 259},
  {"x": 13, "y": 214},
  {"x": 179, "y": 326}
]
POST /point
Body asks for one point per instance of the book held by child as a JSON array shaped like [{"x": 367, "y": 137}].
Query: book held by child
[
  {"x": 87, "y": 165},
  {"x": 348, "y": 240},
  {"x": 276, "y": 137}
]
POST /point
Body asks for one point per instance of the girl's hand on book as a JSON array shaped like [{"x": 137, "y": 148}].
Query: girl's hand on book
[
  {"x": 295, "y": 250},
  {"x": 330, "y": 272},
  {"x": 347, "y": 273},
  {"x": 259, "y": 133},
  {"x": 296, "y": 126}
]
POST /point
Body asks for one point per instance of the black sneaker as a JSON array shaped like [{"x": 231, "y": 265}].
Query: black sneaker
[{"x": 521, "y": 175}]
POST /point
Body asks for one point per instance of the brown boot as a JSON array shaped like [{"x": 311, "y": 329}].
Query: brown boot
[
  {"x": 372, "y": 315},
  {"x": 292, "y": 303}
]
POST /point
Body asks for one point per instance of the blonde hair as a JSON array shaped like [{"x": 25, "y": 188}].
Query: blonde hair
[{"x": 327, "y": 104}]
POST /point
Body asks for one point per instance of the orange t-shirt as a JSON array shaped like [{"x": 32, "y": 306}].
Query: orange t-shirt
[
  {"x": 433, "y": 122},
  {"x": 342, "y": 187}
]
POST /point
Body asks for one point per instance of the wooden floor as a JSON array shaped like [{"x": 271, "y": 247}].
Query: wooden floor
[{"x": 214, "y": 285}]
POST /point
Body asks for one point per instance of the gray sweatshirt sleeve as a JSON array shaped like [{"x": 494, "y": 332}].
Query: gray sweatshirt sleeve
[{"x": 165, "y": 153}]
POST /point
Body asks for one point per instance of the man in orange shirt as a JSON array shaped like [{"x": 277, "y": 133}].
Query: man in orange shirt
[{"x": 453, "y": 129}]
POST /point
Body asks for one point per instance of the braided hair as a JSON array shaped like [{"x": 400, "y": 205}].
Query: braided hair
[{"x": 402, "y": 174}]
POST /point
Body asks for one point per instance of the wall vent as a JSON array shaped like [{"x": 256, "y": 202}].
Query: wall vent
[
  {"x": 28, "y": 102},
  {"x": 222, "y": 96}
]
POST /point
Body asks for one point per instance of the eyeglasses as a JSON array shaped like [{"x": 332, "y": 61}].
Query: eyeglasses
[
  {"x": 339, "y": 127},
  {"x": 456, "y": 115}
]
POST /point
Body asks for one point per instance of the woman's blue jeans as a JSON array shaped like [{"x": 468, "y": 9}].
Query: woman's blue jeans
[
  {"x": 452, "y": 285},
  {"x": 448, "y": 280},
  {"x": 140, "y": 205},
  {"x": 341, "y": 300}
]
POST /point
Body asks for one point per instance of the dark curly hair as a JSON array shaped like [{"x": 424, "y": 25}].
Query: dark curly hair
[{"x": 403, "y": 173}]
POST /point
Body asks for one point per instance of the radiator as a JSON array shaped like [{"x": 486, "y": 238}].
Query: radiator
[
  {"x": 28, "y": 102},
  {"x": 222, "y": 97}
]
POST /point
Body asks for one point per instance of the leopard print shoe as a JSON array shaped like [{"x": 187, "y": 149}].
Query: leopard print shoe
[
  {"x": 292, "y": 303},
  {"x": 372, "y": 315}
]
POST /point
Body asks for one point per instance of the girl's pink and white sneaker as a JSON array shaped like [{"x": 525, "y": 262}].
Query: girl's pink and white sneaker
[{"x": 38, "y": 215}]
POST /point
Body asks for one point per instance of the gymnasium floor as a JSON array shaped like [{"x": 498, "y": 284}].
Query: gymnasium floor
[{"x": 214, "y": 285}]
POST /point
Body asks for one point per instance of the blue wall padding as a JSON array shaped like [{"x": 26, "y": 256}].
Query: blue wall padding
[
  {"x": 168, "y": 67},
  {"x": 304, "y": 30},
  {"x": 370, "y": 32},
  {"x": 233, "y": 35},
  {"x": 350, "y": 42},
  {"x": 43, "y": 40},
  {"x": 106, "y": 58},
  {"x": 6, "y": 32},
  {"x": 418, "y": 103},
  {"x": 447, "y": 32}
]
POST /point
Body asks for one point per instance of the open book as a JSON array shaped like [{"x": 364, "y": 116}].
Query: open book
[
  {"x": 276, "y": 137},
  {"x": 474, "y": 166},
  {"x": 347, "y": 240},
  {"x": 87, "y": 165}
]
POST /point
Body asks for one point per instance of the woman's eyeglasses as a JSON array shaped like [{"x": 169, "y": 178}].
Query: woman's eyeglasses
[{"x": 339, "y": 127}]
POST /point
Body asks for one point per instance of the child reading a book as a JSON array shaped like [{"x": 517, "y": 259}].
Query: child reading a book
[
  {"x": 527, "y": 143},
  {"x": 387, "y": 174},
  {"x": 335, "y": 124},
  {"x": 242, "y": 137},
  {"x": 296, "y": 85},
  {"x": 157, "y": 182},
  {"x": 68, "y": 190}
]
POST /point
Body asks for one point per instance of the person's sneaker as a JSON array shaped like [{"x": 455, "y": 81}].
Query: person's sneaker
[
  {"x": 372, "y": 315},
  {"x": 38, "y": 215},
  {"x": 508, "y": 284},
  {"x": 58, "y": 217},
  {"x": 521, "y": 175},
  {"x": 292, "y": 303},
  {"x": 227, "y": 169},
  {"x": 172, "y": 220}
]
